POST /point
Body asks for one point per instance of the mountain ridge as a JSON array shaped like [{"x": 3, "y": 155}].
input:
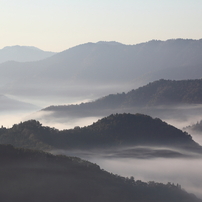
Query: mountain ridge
[
  {"x": 23, "y": 54},
  {"x": 92, "y": 67},
  {"x": 118, "y": 130},
  {"x": 158, "y": 93}
]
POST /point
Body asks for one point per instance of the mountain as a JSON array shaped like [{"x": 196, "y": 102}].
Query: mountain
[
  {"x": 8, "y": 104},
  {"x": 28, "y": 175},
  {"x": 175, "y": 73},
  {"x": 156, "y": 94},
  {"x": 23, "y": 54},
  {"x": 94, "y": 69},
  {"x": 120, "y": 130}
]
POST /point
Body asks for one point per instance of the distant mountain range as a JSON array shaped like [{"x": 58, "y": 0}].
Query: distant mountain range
[
  {"x": 28, "y": 175},
  {"x": 94, "y": 69},
  {"x": 23, "y": 54},
  {"x": 160, "y": 93},
  {"x": 120, "y": 130}
]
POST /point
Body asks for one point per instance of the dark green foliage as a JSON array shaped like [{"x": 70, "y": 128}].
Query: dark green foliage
[
  {"x": 33, "y": 176},
  {"x": 112, "y": 131}
]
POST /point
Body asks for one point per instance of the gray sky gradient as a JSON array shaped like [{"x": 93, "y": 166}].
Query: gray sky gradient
[{"x": 56, "y": 25}]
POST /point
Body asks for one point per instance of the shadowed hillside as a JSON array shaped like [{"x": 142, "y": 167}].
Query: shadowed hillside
[
  {"x": 118, "y": 130},
  {"x": 28, "y": 175},
  {"x": 158, "y": 93}
]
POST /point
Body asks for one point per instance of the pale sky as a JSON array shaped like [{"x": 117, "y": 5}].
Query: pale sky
[{"x": 56, "y": 25}]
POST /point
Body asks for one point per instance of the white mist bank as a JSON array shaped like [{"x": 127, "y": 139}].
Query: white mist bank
[
  {"x": 184, "y": 171},
  {"x": 8, "y": 119}
]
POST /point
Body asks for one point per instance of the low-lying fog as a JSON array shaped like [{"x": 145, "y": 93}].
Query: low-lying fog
[
  {"x": 182, "y": 170},
  {"x": 179, "y": 116},
  {"x": 9, "y": 116}
]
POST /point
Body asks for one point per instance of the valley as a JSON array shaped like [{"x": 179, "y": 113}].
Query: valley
[{"x": 130, "y": 110}]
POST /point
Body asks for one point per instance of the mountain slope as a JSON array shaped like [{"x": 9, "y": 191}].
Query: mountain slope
[
  {"x": 120, "y": 130},
  {"x": 28, "y": 175},
  {"x": 23, "y": 54},
  {"x": 95, "y": 69},
  {"x": 158, "y": 93}
]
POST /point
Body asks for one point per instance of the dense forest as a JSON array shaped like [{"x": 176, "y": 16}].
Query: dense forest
[
  {"x": 116, "y": 130},
  {"x": 158, "y": 93},
  {"x": 28, "y": 175}
]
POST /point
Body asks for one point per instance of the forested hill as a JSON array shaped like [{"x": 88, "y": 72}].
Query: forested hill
[
  {"x": 28, "y": 175},
  {"x": 113, "y": 131},
  {"x": 158, "y": 93},
  {"x": 166, "y": 92}
]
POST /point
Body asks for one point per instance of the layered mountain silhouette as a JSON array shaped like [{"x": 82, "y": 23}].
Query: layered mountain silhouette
[
  {"x": 119, "y": 130},
  {"x": 23, "y": 54},
  {"x": 28, "y": 175},
  {"x": 156, "y": 94},
  {"x": 95, "y": 69}
]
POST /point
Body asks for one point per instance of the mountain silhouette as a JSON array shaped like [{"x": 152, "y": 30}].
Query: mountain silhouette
[
  {"x": 94, "y": 69},
  {"x": 156, "y": 94},
  {"x": 23, "y": 54},
  {"x": 28, "y": 175},
  {"x": 119, "y": 130}
]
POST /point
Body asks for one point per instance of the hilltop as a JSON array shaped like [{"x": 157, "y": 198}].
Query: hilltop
[
  {"x": 23, "y": 54},
  {"x": 114, "y": 131}
]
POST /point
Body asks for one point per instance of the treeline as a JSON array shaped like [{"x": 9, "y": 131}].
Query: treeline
[
  {"x": 28, "y": 175},
  {"x": 113, "y": 131},
  {"x": 161, "y": 92}
]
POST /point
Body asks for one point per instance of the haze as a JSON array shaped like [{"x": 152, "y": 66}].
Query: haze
[
  {"x": 175, "y": 170},
  {"x": 78, "y": 71},
  {"x": 57, "y": 25}
]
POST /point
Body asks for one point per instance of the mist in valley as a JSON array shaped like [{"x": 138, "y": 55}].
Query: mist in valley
[
  {"x": 41, "y": 87},
  {"x": 178, "y": 116},
  {"x": 148, "y": 165},
  {"x": 102, "y": 58}
]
